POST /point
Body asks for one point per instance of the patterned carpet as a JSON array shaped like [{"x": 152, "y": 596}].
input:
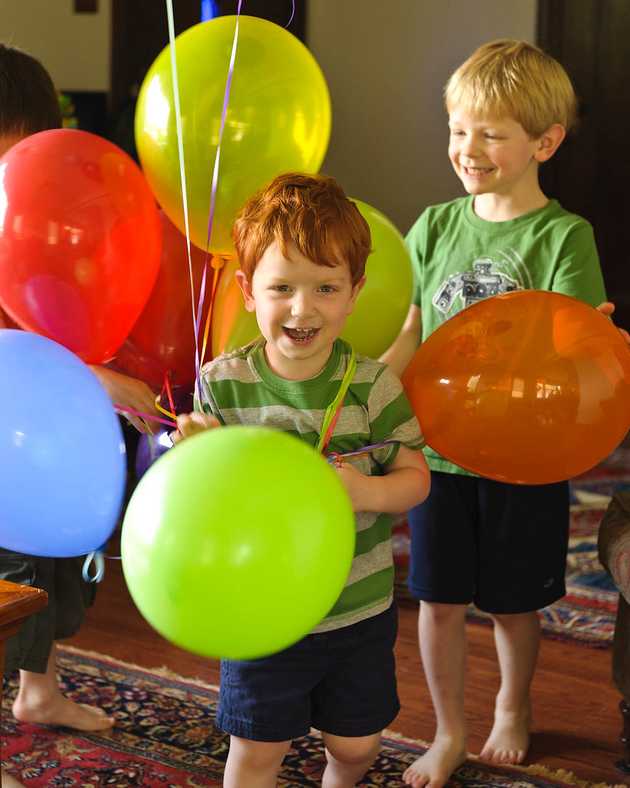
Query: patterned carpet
[
  {"x": 587, "y": 613},
  {"x": 165, "y": 736}
]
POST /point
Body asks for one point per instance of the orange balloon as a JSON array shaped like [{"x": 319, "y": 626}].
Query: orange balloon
[{"x": 530, "y": 387}]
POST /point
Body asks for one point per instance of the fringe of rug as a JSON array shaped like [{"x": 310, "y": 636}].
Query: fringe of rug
[{"x": 161, "y": 670}]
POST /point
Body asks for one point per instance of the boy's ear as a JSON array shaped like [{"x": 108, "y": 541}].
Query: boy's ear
[
  {"x": 246, "y": 289},
  {"x": 356, "y": 289},
  {"x": 549, "y": 142}
]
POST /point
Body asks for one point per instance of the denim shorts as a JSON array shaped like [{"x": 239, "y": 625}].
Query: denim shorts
[
  {"x": 341, "y": 682},
  {"x": 501, "y": 546}
]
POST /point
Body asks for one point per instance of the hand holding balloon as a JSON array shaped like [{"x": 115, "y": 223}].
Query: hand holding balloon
[
  {"x": 607, "y": 309},
  {"x": 189, "y": 424},
  {"x": 128, "y": 392}
]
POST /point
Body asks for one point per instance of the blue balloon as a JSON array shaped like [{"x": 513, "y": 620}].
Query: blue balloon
[{"x": 62, "y": 452}]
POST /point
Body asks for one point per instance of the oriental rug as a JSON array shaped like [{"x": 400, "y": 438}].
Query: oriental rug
[{"x": 165, "y": 737}]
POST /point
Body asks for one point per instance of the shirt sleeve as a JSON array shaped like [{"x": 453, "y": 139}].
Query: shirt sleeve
[
  {"x": 416, "y": 243},
  {"x": 578, "y": 272},
  {"x": 391, "y": 418}
]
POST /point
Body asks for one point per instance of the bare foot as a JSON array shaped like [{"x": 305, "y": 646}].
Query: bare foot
[
  {"x": 62, "y": 711},
  {"x": 509, "y": 738},
  {"x": 435, "y": 767},
  {"x": 10, "y": 782}
]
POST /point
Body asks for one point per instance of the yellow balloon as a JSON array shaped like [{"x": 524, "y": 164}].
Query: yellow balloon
[
  {"x": 378, "y": 314},
  {"x": 278, "y": 119}
]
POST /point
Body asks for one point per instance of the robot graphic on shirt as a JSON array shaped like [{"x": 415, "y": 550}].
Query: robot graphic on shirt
[{"x": 472, "y": 286}]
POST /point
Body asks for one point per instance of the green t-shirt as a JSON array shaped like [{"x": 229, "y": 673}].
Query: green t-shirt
[
  {"x": 459, "y": 259},
  {"x": 240, "y": 388}
]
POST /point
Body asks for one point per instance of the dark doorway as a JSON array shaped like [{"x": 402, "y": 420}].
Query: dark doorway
[
  {"x": 140, "y": 33},
  {"x": 589, "y": 174}
]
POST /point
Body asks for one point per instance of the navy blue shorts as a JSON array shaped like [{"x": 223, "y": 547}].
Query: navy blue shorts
[
  {"x": 501, "y": 546},
  {"x": 341, "y": 682}
]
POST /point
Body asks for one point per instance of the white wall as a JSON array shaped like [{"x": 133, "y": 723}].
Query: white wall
[
  {"x": 75, "y": 48},
  {"x": 386, "y": 62}
]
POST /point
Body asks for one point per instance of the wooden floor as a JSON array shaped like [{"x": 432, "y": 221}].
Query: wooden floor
[{"x": 576, "y": 722}]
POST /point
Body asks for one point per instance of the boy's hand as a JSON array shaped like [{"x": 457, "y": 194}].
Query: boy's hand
[
  {"x": 192, "y": 423},
  {"x": 355, "y": 483},
  {"x": 607, "y": 308},
  {"x": 128, "y": 392}
]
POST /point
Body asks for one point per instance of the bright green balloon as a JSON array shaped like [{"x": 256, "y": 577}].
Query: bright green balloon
[
  {"x": 379, "y": 312},
  {"x": 383, "y": 303},
  {"x": 278, "y": 119},
  {"x": 237, "y": 542}
]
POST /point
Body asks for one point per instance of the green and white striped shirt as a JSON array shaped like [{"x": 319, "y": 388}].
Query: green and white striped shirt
[{"x": 240, "y": 388}]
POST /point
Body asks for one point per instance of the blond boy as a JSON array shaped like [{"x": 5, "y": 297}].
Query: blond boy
[{"x": 500, "y": 546}]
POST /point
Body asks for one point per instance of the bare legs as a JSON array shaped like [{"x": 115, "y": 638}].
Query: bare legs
[
  {"x": 256, "y": 764},
  {"x": 442, "y": 637},
  {"x": 517, "y": 638},
  {"x": 39, "y": 700},
  {"x": 348, "y": 759},
  {"x": 10, "y": 782}
]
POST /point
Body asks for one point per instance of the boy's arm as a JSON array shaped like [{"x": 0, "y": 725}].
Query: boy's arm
[
  {"x": 400, "y": 353},
  {"x": 406, "y": 483}
]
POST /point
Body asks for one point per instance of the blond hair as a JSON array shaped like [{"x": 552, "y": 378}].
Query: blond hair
[{"x": 517, "y": 79}]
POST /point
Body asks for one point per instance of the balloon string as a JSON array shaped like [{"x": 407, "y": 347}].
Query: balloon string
[
  {"x": 182, "y": 167},
  {"x": 288, "y": 24},
  {"x": 216, "y": 268},
  {"x": 158, "y": 407},
  {"x": 145, "y": 416},
  {"x": 334, "y": 409},
  {"x": 166, "y": 388},
  {"x": 214, "y": 189}
]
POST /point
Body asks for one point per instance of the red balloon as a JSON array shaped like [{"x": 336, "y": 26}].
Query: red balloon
[
  {"x": 79, "y": 240},
  {"x": 530, "y": 387},
  {"x": 163, "y": 339}
]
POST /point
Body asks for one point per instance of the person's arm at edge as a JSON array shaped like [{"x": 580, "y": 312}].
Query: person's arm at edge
[
  {"x": 401, "y": 351},
  {"x": 607, "y": 309},
  {"x": 128, "y": 392}
]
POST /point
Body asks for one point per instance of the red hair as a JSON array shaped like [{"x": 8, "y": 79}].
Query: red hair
[{"x": 310, "y": 211}]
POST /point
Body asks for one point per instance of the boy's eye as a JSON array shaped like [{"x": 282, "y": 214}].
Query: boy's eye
[
  {"x": 456, "y": 133},
  {"x": 280, "y": 288},
  {"x": 327, "y": 289}
]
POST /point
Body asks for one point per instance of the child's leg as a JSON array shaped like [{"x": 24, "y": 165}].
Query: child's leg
[
  {"x": 39, "y": 700},
  {"x": 254, "y": 764},
  {"x": 517, "y": 638},
  {"x": 442, "y": 636},
  {"x": 9, "y": 782},
  {"x": 348, "y": 758},
  {"x": 523, "y": 543}
]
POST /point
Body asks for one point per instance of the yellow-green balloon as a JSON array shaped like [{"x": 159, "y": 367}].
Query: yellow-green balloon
[
  {"x": 380, "y": 309},
  {"x": 237, "y": 542},
  {"x": 383, "y": 303},
  {"x": 278, "y": 119}
]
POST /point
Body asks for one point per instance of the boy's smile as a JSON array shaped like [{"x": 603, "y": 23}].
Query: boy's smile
[
  {"x": 301, "y": 309},
  {"x": 497, "y": 160}
]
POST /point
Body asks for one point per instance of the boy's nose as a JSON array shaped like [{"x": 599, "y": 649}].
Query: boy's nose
[
  {"x": 301, "y": 305},
  {"x": 469, "y": 147}
]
